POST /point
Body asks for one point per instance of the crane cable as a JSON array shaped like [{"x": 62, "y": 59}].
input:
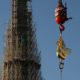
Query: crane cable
[{"x": 61, "y": 66}]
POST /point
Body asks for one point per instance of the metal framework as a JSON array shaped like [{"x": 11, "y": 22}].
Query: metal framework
[{"x": 21, "y": 58}]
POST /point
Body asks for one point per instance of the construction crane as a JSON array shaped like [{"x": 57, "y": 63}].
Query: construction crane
[{"x": 61, "y": 17}]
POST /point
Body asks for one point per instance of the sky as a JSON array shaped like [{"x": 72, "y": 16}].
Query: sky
[{"x": 47, "y": 34}]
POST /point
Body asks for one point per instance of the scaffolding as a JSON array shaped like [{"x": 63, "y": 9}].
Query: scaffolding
[{"x": 22, "y": 57}]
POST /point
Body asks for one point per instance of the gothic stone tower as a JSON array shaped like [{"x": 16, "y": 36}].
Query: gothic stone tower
[{"x": 21, "y": 58}]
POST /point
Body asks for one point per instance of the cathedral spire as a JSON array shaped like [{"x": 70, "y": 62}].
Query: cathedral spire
[{"x": 22, "y": 58}]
